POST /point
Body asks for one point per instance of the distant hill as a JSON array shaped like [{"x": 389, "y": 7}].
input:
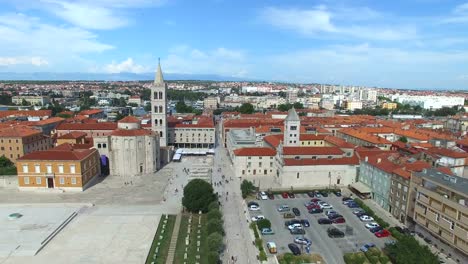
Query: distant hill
[{"x": 124, "y": 76}]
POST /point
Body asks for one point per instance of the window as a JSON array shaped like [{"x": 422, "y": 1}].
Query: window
[
  {"x": 243, "y": 172},
  {"x": 104, "y": 145},
  {"x": 249, "y": 157},
  {"x": 259, "y": 164},
  {"x": 293, "y": 127},
  {"x": 297, "y": 175},
  {"x": 399, "y": 185},
  {"x": 249, "y": 163},
  {"x": 49, "y": 168},
  {"x": 25, "y": 169},
  {"x": 37, "y": 168},
  {"x": 160, "y": 109},
  {"x": 297, "y": 158},
  {"x": 437, "y": 218},
  {"x": 259, "y": 157},
  {"x": 271, "y": 164},
  {"x": 73, "y": 180},
  {"x": 26, "y": 180},
  {"x": 99, "y": 145},
  {"x": 38, "y": 180},
  {"x": 72, "y": 169},
  {"x": 160, "y": 134},
  {"x": 60, "y": 168}
]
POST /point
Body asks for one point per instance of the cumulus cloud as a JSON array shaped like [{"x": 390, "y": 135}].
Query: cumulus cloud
[{"x": 127, "y": 65}]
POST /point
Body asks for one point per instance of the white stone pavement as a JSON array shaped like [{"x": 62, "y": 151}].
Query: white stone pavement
[{"x": 239, "y": 241}]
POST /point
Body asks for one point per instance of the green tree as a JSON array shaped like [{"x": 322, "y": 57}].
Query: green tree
[
  {"x": 5, "y": 162},
  {"x": 148, "y": 107},
  {"x": 24, "y": 102},
  {"x": 214, "y": 214},
  {"x": 146, "y": 94},
  {"x": 263, "y": 223},
  {"x": 215, "y": 242},
  {"x": 198, "y": 194},
  {"x": 214, "y": 226},
  {"x": 181, "y": 107},
  {"x": 213, "y": 257},
  {"x": 403, "y": 139},
  {"x": 246, "y": 108},
  {"x": 213, "y": 206},
  {"x": 5, "y": 99},
  {"x": 247, "y": 188},
  {"x": 408, "y": 251}
]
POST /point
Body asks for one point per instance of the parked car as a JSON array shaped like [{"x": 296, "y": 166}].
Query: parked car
[
  {"x": 288, "y": 215},
  {"x": 290, "y": 222},
  {"x": 361, "y": 214},
  {"x": 258, "y": 217},
  {"x": 330, "y": 212},
  {"x": 317, "y": 194},
  {"x": 291, "y": 195},
  {"x": 337, "y": 193},
  {"x": 271, "y": 196},
  {"x": 315, "y": 211},
  {"x": 324, "y": 221},
  {"x": 307, "y": 203},
  {"x": 294, "y": 226},
  {"x": 294, "y": 249},
  {"x": 310, "y": 194},
  {"x": 254, "y": 207},
  {"x": 310, "y": 206},
  {"x": 297, "y": 231},
  {"x": 315, "y": 200},
  {"x": 302, "y": 241},
  {"x": 252, "y": 203},
  {"x": 326, "y": 206},
  {"x": 305, "y": 222},
  {"x": 366, "y": 247},
  {"x": 353, "y": 205},
  {"x": 371, "y": 225},
  {"x": 334, "y": 232},
  {"x": 339, "y": 220},
  {"x": 358, "y": 210},
  {"x": 272, "y": 247},
  {"x": 267, "y": 231},
  {"x": 366, "y": 218},
  {"x": 375, "y": 229},
  {"x": 334, "y": 216},
  {"x": 285, "y": 195},
  {"x": 296, "y": 211},
  {"x": 345, "y": 198},
  {"x": 324, "y": 194},
  {"x": 263, "y": 196},
  {"x": 284, "y": 208},
  {"x": 382, "y": 233}
]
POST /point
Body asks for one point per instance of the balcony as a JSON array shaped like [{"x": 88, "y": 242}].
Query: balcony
[
  {"x": 423, "y": 199},
  {"x": 460, "y": 232},
  {"x": 421, "y": 220},
  {"x": 463, "y": 218},
  {"x": 462, "y": 246},
  {"x": 431, "y": 216},
  {"x": 436, "y": 205},
  {"x": 420, "y": 210},
  {"x": 452, "y": 213},
  {"x": 444, "y": 224},
  {"x": 447, "y": 236},
  {"x": 434, "y": 228}
]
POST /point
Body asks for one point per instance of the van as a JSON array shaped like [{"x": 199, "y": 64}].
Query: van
[
  {"x": 283, "y": 208},
  {"x": 271, "y": 247}
]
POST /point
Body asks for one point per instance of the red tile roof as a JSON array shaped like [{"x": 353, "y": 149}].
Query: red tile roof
[
  {"x": 305, "y": 137},
  {"x": 188, "y": 121},
  {"x": 129, "y": 119},
  {"x": 49, "y": 121},
  {"x": 39, "y": 113},
  {"x": 18, "y": 131},
  {"x": 62, "y": 152},
  {"x": 312, "y": 151},
  {"x": 131, "y": 132},
  {"x": 341, "y": 143},
  {"x": 255, "y": 151},
  {"x": 273, "y": 140},
  {"x": 73, "y": 135},
  {"x": 315, "y": 162},
  {"x": 447, "y": 153},
  {"x": 87, "y": 126},
  {"x": 90, "y": 112}
]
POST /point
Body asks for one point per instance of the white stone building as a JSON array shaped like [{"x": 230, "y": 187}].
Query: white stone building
[{"x": 159, "y": 107}]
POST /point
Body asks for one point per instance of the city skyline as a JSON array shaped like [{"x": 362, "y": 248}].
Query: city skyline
[{"x": 416, "y": 45}]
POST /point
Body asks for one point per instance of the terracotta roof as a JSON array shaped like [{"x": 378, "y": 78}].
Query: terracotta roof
[
  {"x": 364, "y": 136},
  {"x": 188, "y": 121},
  {"x": 18, "y": 131},
  {"x": 339, "y": 142},
  {"x": 61, "y": 152},
  {"x": 445, "y": 170},
  {"x": 131, "y": 132},
  {"x": 39, "y": 113},
  {"x": 90, "y": 112},
  {"x": 73, "y": 135},
  {"x": 129, "y": 119},
  {"x": 314, "y": 162},
  {"x": 273, "y": 140},
  {"x": 304, "y": 137},
  {"x": 255, "y": 151},
  {"x": 267, "y": 129},
  {"x": 312, "y": 151},
  {"x": 448, "y": 153},
  {"x": 87, "y": 126}
]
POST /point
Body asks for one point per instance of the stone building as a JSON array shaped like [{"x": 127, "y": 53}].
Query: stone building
[{"x": 18, "y": 140}]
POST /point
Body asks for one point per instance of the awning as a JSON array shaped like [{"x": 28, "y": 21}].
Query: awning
[{"x": 361, "y": 187}]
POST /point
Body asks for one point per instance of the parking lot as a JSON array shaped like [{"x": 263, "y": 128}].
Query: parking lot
[{"x": 356, "y": 234}]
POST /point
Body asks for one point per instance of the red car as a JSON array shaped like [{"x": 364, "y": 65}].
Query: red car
[
  {"x": 339, "y": 220},
  {"x": 313, "y": 206},
  {"x": 315, "y": 200},
  {"x": 285, "y": 195},
  {"x": 382, "y": 233}
]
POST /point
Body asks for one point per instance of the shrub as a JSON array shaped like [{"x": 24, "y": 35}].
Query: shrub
[
  {"x": 254, "y": 228},
  {"x": 384, "y": 259},
  {"x": 213, "y": 257},
  {"x": 215, "y": 242},
  {"x": 371, "y": 213},
  {"x": 374, "y": 259},
  {"x": 259, "y": 242},
  {"x": 395, "y": 233},
  {"x": 214, "y": 226},
  {"x": 263, "y": 256},
  {"x": 213, "y": 205},
  {"x": 263, "y": 223},
  {"x": 247, "y": 188},
  {"x": 198, "y": 194},
  {"x": 214, "y": 214}
]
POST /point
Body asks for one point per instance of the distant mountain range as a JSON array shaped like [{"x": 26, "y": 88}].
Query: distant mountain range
[{"x": 124, "y": 76}]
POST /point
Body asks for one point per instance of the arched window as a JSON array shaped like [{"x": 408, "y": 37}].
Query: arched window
[
  {"x": 155, "y": 109},
  {"x": 160, "y": 95},
  {"x": 160, "y": 122},
  {"x": 155, "y": 122},
  {"x": 160, "y": 134},
  {"x": 155, "y": 95},
  {"x": 160, "y": 109}
]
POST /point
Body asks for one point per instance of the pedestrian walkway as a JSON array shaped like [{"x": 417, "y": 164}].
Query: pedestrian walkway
[{"x": 173, "y": 244}]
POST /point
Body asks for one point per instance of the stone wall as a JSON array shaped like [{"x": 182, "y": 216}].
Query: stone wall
[{"x": 8, "y": 181}]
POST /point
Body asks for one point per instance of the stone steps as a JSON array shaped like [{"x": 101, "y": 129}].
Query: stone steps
[{"x": 173, "y": 244}]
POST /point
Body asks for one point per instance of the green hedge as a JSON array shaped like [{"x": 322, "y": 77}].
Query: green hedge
[
  {"x": 370, "y": 212},
  {"x": 258, "y": 242},
  {"x": 8, "y": 171}
]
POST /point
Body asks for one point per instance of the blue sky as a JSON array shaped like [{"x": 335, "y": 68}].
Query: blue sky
[{"x": 400, "y": 44}]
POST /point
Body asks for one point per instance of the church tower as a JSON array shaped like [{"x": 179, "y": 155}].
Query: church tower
[
  {"x": 292, "y": 129},
  {"x": 159, "y": 106}
]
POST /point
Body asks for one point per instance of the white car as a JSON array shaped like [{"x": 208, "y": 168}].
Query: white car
[
  {"x": 258, "y": 217},
  {"x": 254, "y": 207},
  {"x": 263, "y": 196},
  {"x": 366, "y": 218},
  {"x": 372, "y": 225},
  {"x": 325, "y": 206},
  {"x": 294, "y": 226},
  {"x": 329, "y": 212}
]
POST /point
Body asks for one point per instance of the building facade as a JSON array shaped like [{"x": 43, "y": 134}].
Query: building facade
[
  {"x": 33, "y": 100},
  {"x": 63, "y": 167},
  {"x": 210, "y": 103},
  {"x": 16, "y": 141},
  {"x": 159, "y": 107}
]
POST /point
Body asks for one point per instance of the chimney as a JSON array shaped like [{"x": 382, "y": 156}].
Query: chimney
[
  {"x": 366, "y": 159},
  {"x": 379, "y": 160}
]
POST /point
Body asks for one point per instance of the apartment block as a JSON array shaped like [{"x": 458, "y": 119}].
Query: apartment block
[
  {"x": 16, "y": 141},
  {"x": 441, "y": 206}
]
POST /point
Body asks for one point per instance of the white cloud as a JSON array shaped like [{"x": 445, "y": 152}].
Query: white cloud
[
  {"x": 127, "y": 65},
  {"x": 319, "y": 20},
  {"x": 29, "y": 37},
  {"x": 35, "y": 61}
]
